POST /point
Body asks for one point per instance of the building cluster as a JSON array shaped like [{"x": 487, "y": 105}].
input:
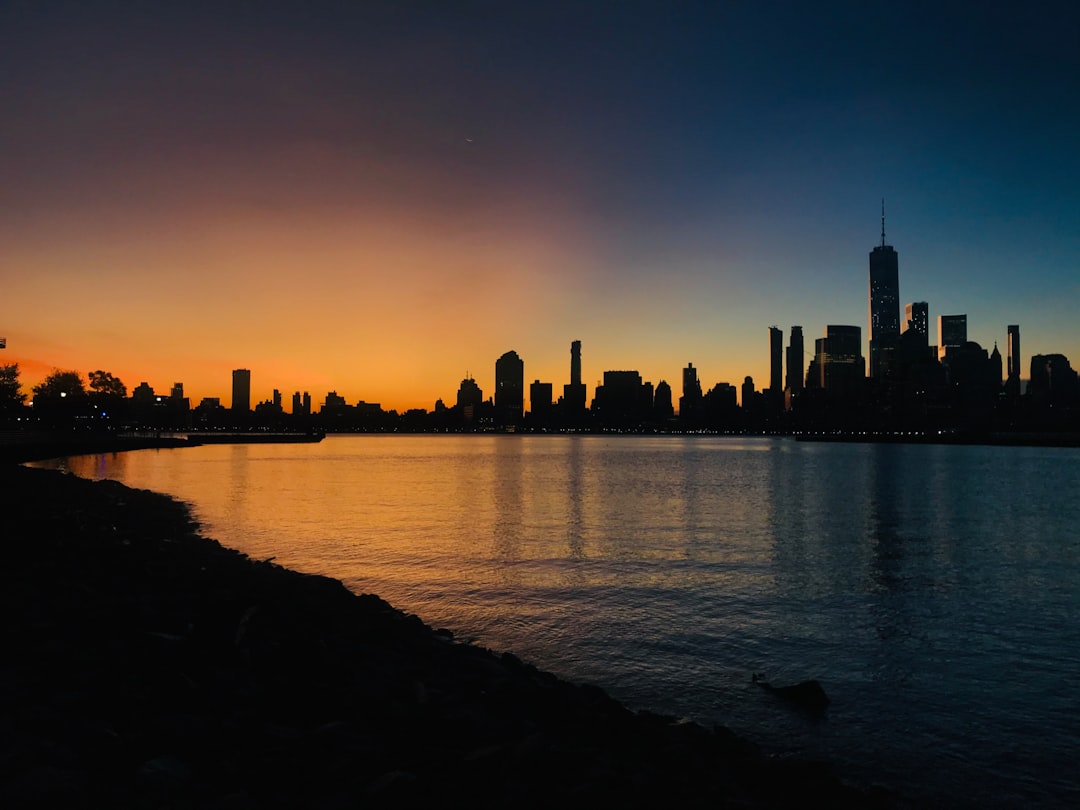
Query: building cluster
[{"x": 911, "y": 386}]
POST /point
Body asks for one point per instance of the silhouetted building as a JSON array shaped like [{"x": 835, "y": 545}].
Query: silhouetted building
[
  {"x": 177, "y": 391},
  {"x": 776, "y": 361},
  {"x": 917, "y": 319},
  {"x": 623, "y": 401},
  {"x": 306, "y": 404},
  {"x": 241, "y": 390},
  {"x": 952, "y": 333},
  {"x": 663, "y": 409},
  {"x": 574, "y": 394},
  {"x": 1015, "y": 364},
  {"x": 721, "y": 407},
  {"x": 540, "y": 401},
  {"x": 296, "y": 406},
  {"x": 469, "y": 398},
  {"x": 795, "y": 367},
  {"x": 748, "y": 393},
  {"x": 690, "y": 401},
  {"x": 334, "y": 404},
  {"x": 210, "y": 413},
  {"x": 142, "y": 394},
  {"x": 509, "y": 389},
  {"x": 1053, "y": 381},
  {"x": 838, "y": 364},
  {"x": 884, "y": 303}
]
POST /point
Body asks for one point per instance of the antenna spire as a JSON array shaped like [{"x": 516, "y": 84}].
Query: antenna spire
[{"x": 883, "y": 222}]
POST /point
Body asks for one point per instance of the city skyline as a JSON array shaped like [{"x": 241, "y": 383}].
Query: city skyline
[{"x": 378, "y": 201}]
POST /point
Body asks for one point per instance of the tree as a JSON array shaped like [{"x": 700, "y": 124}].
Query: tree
[
  {"x": 106, "y": 385},
  {"x": 60, "y": 385},
  {"x": 11, "y": 398}
]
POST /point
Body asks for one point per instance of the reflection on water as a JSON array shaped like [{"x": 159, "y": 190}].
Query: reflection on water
[{"x": 935, "y": 591}]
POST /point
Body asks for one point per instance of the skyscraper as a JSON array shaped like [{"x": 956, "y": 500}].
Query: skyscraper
[
  {"x": 509, "y": 388},
  {"x": 540, "y": 394},
  {"x": 574, "y": 392},
  {"x": 241, "y": 390},
  {"x": 795, "y": 371},
  {"x": 1014, "y": 352},
  {"x": 917, "y": 318},
  {"x": 690, "y": 401},
  {"x": 839, "y": 361},
  {"x": 884, "y": 302},
  {"x": 776, "y": 361},
  {"x": 952, "y": 333}
]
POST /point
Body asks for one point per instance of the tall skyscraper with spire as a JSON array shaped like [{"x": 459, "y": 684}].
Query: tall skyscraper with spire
[{"x": 884, "y": 303}]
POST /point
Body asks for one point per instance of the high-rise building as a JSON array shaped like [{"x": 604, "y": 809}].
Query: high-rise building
[
  {"x": 241, "y": 390},
  {"x": 469, "y": 394},
  {"x": 574, "y": 394},
  {"x": 1013, "y": 350},
  {"x": 662, "y": 405},
  {"x": 884, "y": 303},
  {"x": 296, "y": 403},
  {"x": 952, "y": 333},
  {"x": 748, "y": 393},
  {"x": 839, "y": 361},
  {"x": 795, "y": 368},
  {"x": 690, "y": 401},
  {"x": 776, "y": 361},
  {"x": 917, "y": 319},
  {"x": 623, "y": 400},
  {"x": 509, "y": 388},
  {"x": 540, "y": 394}
]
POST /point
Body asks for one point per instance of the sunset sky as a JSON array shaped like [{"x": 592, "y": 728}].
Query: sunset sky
[{"x": 380, "y": 197}]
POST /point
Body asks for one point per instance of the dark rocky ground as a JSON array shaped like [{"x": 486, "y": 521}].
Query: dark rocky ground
[{"x": 145, "y": 666}]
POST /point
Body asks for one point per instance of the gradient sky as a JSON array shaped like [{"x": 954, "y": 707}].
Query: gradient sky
[{"x": 379, "y": 197}]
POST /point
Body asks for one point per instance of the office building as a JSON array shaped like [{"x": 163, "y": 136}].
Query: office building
[
  {"x": 509, "y": 388},
  {"x": 623, "y": 400},
  {"x": 469, "y": 394},
  {"x": 663, "y": 408},
  {"x": 952, "y": 333},
  {"x": 917, "y": 319},
  {"x": 776, "y": 361},
  {"x": 838, "y": 363},
  {"x": 690, "y": 401},
  {"x": 241, "y": 390},
  {"x": 884, "y": 303},
  {"x": 1013, "y": 352},
  {"x": 574, "y": 394},
  {"x": 540, "y": 399},
  {"x": 795, "y": 367}
]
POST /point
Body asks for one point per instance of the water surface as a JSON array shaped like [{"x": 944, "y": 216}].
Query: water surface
[{"x": 933, "y": 590}]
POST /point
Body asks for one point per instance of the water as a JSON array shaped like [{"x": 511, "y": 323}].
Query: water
[{"x": 934, "y": 591}]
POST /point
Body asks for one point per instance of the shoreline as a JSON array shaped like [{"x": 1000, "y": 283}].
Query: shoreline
[{"x": 150, "y": 666}]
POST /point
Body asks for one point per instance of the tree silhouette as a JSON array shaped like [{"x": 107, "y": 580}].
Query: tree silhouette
[
  {"x": 106, "y": 385},
  {"x": 11, "y": 397},
  {"x": 60, "y": 385}
]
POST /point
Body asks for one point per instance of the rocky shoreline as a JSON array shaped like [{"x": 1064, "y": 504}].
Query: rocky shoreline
[{"x": 147, "y": 666}]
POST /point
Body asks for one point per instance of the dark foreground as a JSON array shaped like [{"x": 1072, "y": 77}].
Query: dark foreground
[{"x": 144, "y": 665}]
